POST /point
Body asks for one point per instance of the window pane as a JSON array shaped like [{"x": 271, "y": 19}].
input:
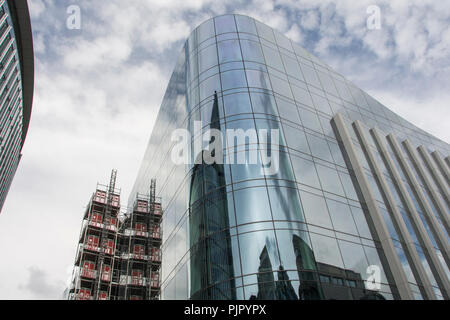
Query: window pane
[
  {"x": 251, "y": 204},
  {"x": 268, "y": 125},
  {"x": 348, "y": 186},
  {"x": 319, "y": 148},
  {"x": 265, "y": 31},
  {"x": 330, "y": 180},
  {"x": 208, "y": 86},
  {"x": 296, "y": 139},
  {"x": 315, "y": 209},
  {"x": 310, "y": 75},
  {"x": 258, "y": 79},
  {"x": 336, "y": 153},
  {"x": 361, "y": 222},
  {"x": 225, "y": 24},
  {"x": 295, "y": 250},
  {"x": 258, "y": 252},
  {"x": 305, "y": 172},
  {"x": 241, "y": 124},
  {"x": 287, "y": 110},
  {"x": 302, "y": 96},
  {"x": 207, "y": 58},
  {"x": 205, "y": 30},
  {"x": 280, "y": 86},
  {"x": 237, "y": 103},
  {"x": 343, "y": 91},
  {"x": 326, "y": 250},
  {"x": 321, "y": 104},
  {"x": 284, "y": 171},
  {"x": 354, "y": 258},
  {"x": 292, "y": 67},
  {"x": 327, "y": 83},
  {"x": 229, "y": 51},
  {"x": 245, "y": 24},
  {"x": 341, "y": 216},
  {"x": 299, "y": 51},
  {"x": 233, "y": 79},
  {"x": 263, "y": 103},
  {"x": 245, "y": 171},
  {"x": 252, "y": 51},
  {"x": 285, "y": 204},
  {"x": 283, "y": 41},
  {"x": 310, "y": 120},
  {"x": 273, "y": 58}
]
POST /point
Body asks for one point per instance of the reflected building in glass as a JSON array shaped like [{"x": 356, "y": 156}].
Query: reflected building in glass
[{"x": 358, "y": 208}]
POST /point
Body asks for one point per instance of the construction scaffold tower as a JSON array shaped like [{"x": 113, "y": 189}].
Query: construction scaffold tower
[{"x": 119, "y": 254}]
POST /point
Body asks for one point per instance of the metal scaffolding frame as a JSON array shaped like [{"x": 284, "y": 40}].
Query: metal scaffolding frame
[{"x": 118, "y": 255}]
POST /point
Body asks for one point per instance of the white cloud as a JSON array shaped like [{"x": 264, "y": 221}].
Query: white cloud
[
  {"x": 295, "y": 34},
  {"x": 310, "y": 20},
  {"x": 40, "y": 286},
  {"x": 425, "y": 114},
  {"x": 37, "y": 7},
  {"x": 105, "y": 51}
]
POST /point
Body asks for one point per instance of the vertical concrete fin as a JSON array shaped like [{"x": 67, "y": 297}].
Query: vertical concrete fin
[
  {"x": 380, "y": 227},
  {"x": 412, "y": 213},
  {"x": 442, "y": 166},
  {"x": 397, "y": 219}
]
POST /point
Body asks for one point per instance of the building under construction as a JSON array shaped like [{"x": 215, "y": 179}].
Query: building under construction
[{"x": 118, "y": 255}]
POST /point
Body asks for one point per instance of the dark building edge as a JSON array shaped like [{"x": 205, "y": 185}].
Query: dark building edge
[{"x": 20, "y": 17}]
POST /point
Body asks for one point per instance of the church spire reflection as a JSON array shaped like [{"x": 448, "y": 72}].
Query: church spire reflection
[{"x": 211, "y": 255}]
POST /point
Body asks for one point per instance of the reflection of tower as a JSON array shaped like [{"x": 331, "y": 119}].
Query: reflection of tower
[
  {"x": 285, "y": 290},
  {"x": 266, "y": 281},
  {"x": 268, "y": 289},
  {"x": 211, "y": 254},
  {"x": 309, "y": 288}
]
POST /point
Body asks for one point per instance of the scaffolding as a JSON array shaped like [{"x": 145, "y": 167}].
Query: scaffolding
[
  {"x": 154, "y": 244},
  {"x": 119, "y": 253}
]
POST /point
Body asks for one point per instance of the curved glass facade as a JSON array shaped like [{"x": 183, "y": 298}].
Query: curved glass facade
[{"x": 236, "y": 231}]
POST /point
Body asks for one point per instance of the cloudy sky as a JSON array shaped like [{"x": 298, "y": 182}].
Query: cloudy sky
[{"x": 98, "y": 90}]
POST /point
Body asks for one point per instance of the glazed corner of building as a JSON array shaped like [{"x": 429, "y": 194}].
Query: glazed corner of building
[
  {"x": 20, "y": 29},
  {"x": 393, "y": 262}
]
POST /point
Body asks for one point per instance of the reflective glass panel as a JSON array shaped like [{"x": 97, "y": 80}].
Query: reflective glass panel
[
  {"x": 316, "y": 211},
  {"x": 259, "y": 254},
  {"x": 225, "y": 24},
  {"x": 233, "y": 79},
  {"x": 263, "y": 103},
  {"x": 305, "y": 171},
  {"x": 237, "y": 103},
  {"x": 245, "y": 24},
  {"x": 252, "y": 205},
  {"x": 229, "y": 51},
  {"x": 251, "y": 51},
  {"x": 330, "y": 180},
  {"x": 326, "y": 250},
  {"x": 341, "y": 216}
]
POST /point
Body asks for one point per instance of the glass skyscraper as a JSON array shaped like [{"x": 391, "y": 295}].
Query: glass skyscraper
[
  {"x": 16, "y": 87},
  {"x": 358, "y": 209}
]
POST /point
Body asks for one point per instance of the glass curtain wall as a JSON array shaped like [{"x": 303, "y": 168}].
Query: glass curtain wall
[{"x": 236, "y": 231}]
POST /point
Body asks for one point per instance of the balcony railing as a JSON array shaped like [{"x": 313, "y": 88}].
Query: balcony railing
[
  {"x": 88, "y": 273},
  {"x": 133, "y": 280}
]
